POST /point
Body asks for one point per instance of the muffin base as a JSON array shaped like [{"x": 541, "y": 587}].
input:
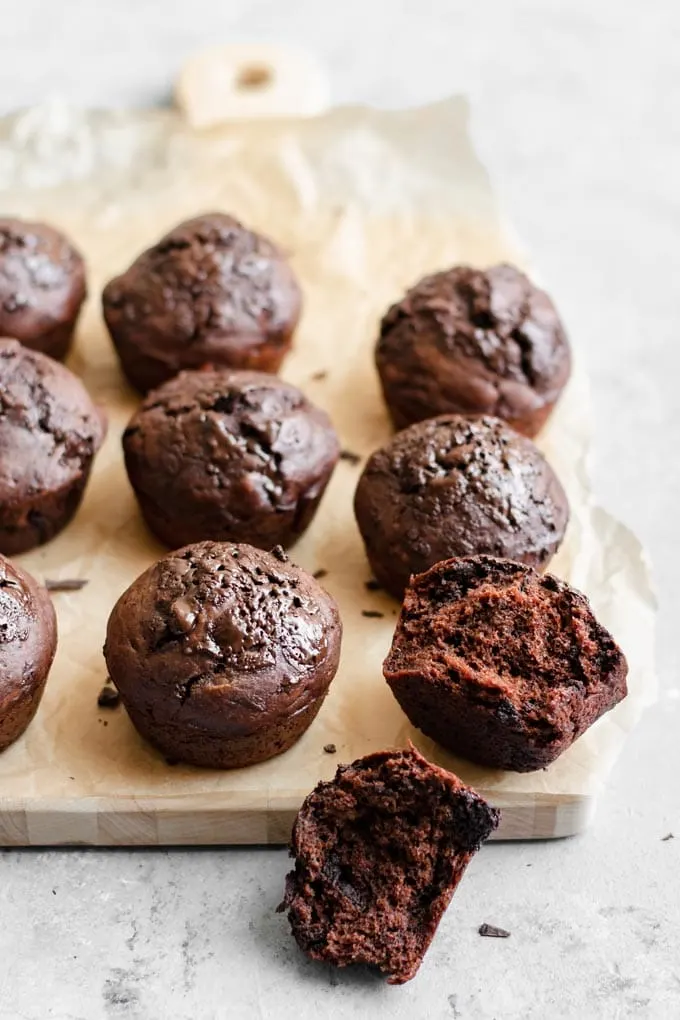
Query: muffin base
[{"x": 193, "y": 746}]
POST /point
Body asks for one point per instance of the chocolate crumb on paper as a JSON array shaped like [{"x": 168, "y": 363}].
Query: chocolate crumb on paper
[
  {"x": 492, "y": 932},
  {"x": 350, "y": 456},
  {"x": 321, "y": 572},
  {"x": 108, "y": 697},
  {"x": 66, "y": 583},
  {"x": 373, "y": 585},
  {"x": 318, "y": 376},
  {"x": 372, "y": 614},
  {"x": 330, "y": 748},
  {"x": 669, "y": 835}
]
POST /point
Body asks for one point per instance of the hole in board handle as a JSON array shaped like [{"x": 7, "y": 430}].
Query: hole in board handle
[{"x": 253, "y": 76}]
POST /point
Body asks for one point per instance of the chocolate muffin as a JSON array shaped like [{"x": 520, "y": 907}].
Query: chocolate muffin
[
  {"x": 457, "y": 486},
  {"x": 500, "y": 664},
  {"x": 229, "y": 455},
  {"x": 211, "y": 292},
  {"x": 378, "y": 853},
  {"x": 49, "y": 434},
  {"x": 223, "y": 653},
  {"x": 42, "y": 286},
  {"x": 473, "y": 342},
  {"x": 28, "y": 641}
]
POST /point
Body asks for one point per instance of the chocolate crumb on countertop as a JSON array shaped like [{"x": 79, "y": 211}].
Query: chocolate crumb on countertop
[
  {"x": 108, "y": 697},
  {"x": 330, "y": 748},
  {"x": 372, "y": 614},
  {"x": 350, "y": 456},
  {"x": 492, "y": 932},
  {"x": 66, "y": 584}
]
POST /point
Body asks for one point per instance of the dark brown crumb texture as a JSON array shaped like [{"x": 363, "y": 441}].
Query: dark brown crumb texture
[
  {"x": 378, "y": 852},
  {"x": 500, "y": 664}
]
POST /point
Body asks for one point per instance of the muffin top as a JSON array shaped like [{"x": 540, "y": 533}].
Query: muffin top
[
  {"x": 42, "y": 279},
  {"x": 208, "y": 279},
  {"x": 49, "y": 427},
  {"x": 223, "y": 438},
  {"x": 218, "y": 625},
  {"x": 28, "y": 632},
  {"x": 473, "y": 341},
  {"x": 459, "y": 486}
]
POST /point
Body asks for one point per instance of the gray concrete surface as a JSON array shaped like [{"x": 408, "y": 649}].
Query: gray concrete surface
[{"x": 575, "y": 111}]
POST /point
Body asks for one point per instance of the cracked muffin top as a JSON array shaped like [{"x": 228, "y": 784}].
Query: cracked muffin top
[
  {"x": 473, "y": 341},
  {"x": 223, "y": 637},
  {"x": 457, "y": 486},
  {"x": 49, "y": 427},
  {"x": 209, "y": 292},
  {"x": 229, "y": 455}
]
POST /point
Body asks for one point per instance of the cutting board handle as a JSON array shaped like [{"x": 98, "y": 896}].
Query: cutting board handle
[{"x": 244, "y": 81}]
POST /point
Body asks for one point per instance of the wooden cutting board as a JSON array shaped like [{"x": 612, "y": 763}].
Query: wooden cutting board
[{"x": 366, "y": 203}]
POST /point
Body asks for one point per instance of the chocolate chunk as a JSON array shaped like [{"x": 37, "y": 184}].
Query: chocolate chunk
[
  {"x": 491, "y": 931},
  {"x": 109, "y": 697},
  {"x": 66, "y": 584}
]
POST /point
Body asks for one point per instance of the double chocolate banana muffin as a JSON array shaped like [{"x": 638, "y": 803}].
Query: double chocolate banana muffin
[
  {"x": 473, "y": 342},
  {"x": 500, "y": 664},
  {"x": 228, "y": 455},
  {"x": 211, "y": 292},
  {"x": 50, "y": 432},
  {"x": 379, "y": 852},
  {"x": 42, "y": 286},
  {"x": 457, "y": 486},
  {"x": 28, "y": 641},
  {"x": 223, "y": 653}
]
